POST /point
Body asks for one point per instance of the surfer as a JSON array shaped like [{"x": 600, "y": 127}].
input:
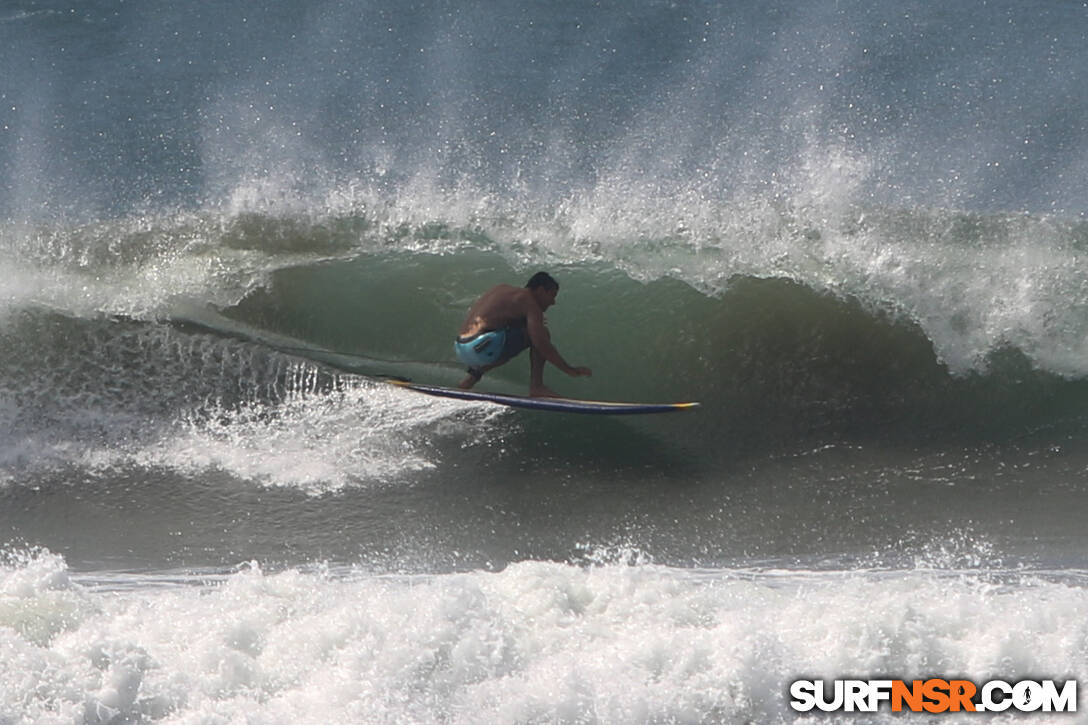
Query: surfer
[{"x": 504, "y": 321}]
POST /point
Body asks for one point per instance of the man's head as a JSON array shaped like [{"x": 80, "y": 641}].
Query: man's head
[
  {"x": 542, "y": 279},
  {"x": 544, "y": 288}
]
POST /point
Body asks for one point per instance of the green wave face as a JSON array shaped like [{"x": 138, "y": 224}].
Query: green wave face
[{"x": 786, "y": 328}]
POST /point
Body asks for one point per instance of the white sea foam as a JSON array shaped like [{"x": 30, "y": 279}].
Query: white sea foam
[
  {"x": 536, "y": 642},
  {"x": 294, "y": 426},
  {"x": 365, "y": 433}
]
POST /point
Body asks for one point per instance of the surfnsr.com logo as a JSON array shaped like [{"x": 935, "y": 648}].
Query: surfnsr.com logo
[{"x": 934, "y": 695}]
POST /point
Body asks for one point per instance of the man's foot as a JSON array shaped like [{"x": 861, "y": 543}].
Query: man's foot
[
  {"x": 541, "y": 391},
  {"x": 474, "y": 375}
]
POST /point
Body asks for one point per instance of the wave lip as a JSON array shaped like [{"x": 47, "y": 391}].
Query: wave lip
[{"x": 973, "y": 282}]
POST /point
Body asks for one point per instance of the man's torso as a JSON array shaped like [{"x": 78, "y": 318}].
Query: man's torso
[{"x": 500, "y": 307}]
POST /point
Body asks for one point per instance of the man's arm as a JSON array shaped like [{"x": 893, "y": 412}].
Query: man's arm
[{"x": 541, "y": 340}]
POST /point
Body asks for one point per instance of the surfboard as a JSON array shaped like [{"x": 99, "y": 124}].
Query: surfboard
[{"x": 563, "y": 405}]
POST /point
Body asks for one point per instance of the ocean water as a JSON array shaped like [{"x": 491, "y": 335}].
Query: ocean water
[{"x": 854, "y": 231}]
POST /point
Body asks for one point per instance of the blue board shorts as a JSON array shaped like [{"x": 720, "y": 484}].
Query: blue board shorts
[{"x": 491, "y": 347}]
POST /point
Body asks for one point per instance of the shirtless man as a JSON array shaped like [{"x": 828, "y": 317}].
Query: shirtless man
[{"x": 505, "y": 321}]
